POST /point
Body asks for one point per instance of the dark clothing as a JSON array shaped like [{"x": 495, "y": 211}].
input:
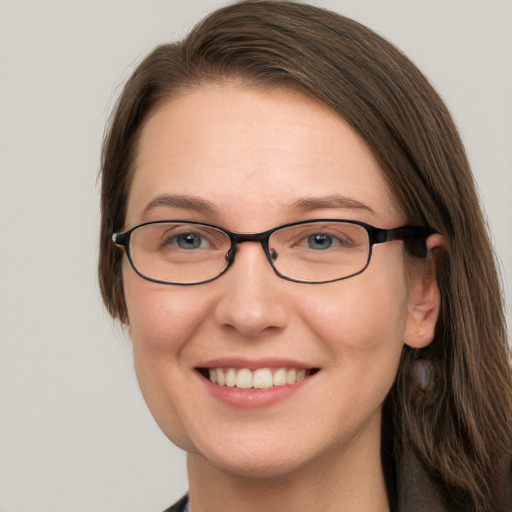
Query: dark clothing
[
  {"x": 408, "y": 487},
  {"x": 179, "y": 506},
  {"x": 411, "y": 502},
  {"x": 413, "y": 494}
]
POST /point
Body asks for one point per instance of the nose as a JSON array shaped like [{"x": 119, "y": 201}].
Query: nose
[{"x": 252, "y": 301}]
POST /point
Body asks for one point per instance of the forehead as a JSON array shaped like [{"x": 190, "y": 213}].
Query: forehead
[{"x": 250, "y": 151}]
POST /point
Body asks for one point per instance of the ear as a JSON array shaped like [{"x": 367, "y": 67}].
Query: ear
[{"x": 424, "y": 298}]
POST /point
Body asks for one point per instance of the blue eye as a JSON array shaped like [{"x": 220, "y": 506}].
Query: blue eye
[
  {"x": 184, "y": 237},
  {"x": 320, "y": 241},
  {"x": 189, "y": 241}
]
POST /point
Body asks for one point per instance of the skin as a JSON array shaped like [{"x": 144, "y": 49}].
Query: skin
[{"x": 252, "y": 154}]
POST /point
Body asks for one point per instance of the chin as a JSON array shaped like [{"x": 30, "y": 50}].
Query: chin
[
  {"x": 261, "y": 457},
  {"x": 256, "y": 466}
]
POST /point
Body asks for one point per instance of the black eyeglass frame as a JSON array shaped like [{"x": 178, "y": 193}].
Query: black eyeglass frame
[{"x": 413, "y": 237}]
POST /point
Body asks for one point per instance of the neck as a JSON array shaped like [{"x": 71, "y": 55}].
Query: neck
[{"x": 351, "y": 482}]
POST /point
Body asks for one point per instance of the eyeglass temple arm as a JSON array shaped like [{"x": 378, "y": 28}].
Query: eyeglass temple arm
[
  {"x": 413, "y": 236},
  {"x": 119, "y": 239}
]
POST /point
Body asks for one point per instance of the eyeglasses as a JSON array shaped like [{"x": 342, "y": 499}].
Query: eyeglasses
[{"x": 313, "y": 251}]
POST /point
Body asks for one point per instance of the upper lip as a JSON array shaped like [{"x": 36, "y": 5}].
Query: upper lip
[{"x": 254, "y": 364}]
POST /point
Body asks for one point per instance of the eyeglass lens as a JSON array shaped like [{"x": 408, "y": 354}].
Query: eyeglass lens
[{"x": 190, "y": 253}]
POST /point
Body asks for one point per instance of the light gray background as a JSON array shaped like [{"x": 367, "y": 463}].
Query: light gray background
[{"x": 74, "y": 432}]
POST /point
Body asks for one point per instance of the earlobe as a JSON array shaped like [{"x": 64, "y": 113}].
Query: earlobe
[
  {"x": 424, "y": 297},
  {"x": 423, "y": 311}
]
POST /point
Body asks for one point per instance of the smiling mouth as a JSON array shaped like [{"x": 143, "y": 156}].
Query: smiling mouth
[{"x": 262, "y": 378}]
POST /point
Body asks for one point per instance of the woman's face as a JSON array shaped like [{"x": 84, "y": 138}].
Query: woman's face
[{"x": 249, "y": 160}]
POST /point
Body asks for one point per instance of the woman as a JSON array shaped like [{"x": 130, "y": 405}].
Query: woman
[{"x": 291, "y": 235}]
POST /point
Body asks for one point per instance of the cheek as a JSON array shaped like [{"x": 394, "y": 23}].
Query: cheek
[
  {"x": 361, "y": 321},
  {"x": 160, "y": 317},
  {"x": 363, "y": 333},
  {"x": 162, "y": 320}
]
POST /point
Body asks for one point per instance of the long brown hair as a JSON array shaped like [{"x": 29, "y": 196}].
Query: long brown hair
[{"x": 458, "y": 432}]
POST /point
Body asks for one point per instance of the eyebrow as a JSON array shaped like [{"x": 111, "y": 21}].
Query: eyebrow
[
  {"x": 329, "y": 202},
  {"x": 303, "y": 205},
  {"x": 181, "y": 201}
]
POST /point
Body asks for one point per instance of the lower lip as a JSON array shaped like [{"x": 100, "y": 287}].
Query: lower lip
[{"x": 254, "y": 398}]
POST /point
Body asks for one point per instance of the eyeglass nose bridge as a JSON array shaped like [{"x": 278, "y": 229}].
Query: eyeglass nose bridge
[{"x": 239, "y": 238}]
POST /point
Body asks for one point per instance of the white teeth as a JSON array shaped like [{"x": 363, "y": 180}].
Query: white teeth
[
  {"x": 244, "y": 379},
  {"x": 290, "y": 376},
  {"x": 231, "y": 378},
  {"x": 262, "y": 378},
  {"x": 279, "y": 378}
]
